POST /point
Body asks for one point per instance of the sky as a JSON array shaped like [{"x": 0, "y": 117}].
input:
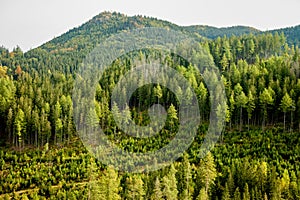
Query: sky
[{"x": 30, "y": 23}]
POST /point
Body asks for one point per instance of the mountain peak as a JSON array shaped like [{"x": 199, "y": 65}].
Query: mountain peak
[
  {"x": 107, "y": 23},
  {"x": 106, "y": 16}
]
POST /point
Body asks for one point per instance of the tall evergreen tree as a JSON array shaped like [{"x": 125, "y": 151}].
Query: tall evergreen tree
[
  {"x": 134, "y": 188},
  {"x": 207, "y": 171},
  {"x": 169, "y": 184},
  {"x": 109, "y": 185},
  {"x": 237, "y": 194},
  {"x": 157, "y": 193},
  {"x": 286, "y": 105}
]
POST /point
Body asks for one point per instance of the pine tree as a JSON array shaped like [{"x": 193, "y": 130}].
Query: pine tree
[
  {"x": 172, "y": 117},
  {"x": 240, "y": 100},
  {"x": 285, "y": 183},
  {"x": 226, "y": 195},
  {"x": 9, "y": 123},
  {"x": 157, "y": 193},
  {"x": 231, "y": 107},
  {"x": 293, "y": 191},
  {"x": 250, "y": 107},
  {"x": 286, "y": 105},
  {"x": 224, "y": 63},
  {"x": 202, "y": 94},
  {"x": 158, "y": 92},
  {"x": 207, "y": 171},
  {"x": 246, "y": 194},
  {"x": 57, "y": 121},
  {"x": 237, "y": 194},
  {"x": 169, "y": 184},
  {"x": 230, "y": 183},
  {"x": 276, "y": 191},
  {"x": 202, "y": 195},
  {"x": 262, "y": 175},
  {"x": 93, "y": 185},
  {"x": 134, "y": 188},
  {"x": 265, "y": 99},
  {"x": 116, "y": 115},
  {"x": 20, "y": 126},
  {"x": 109, "y": 185},
  {"x": 36, "y": 125},
  {"x": 185, "y": 186}
]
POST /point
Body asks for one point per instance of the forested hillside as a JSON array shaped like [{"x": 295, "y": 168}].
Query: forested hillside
[
  {"x": 257, "y": 156},
  {"x": 292, "y": 34},
  {"x": 213, "y": 32}
]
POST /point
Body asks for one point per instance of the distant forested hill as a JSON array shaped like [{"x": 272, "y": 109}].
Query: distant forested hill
[
  {"x": 213, "y": 32},
  {"x": 105, "y": 24},
  {"x": 292, "y": 34}
]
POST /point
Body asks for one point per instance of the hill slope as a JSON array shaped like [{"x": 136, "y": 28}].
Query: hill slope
[
  {"x": 105, "y": 24},
  {"x": 101, "y": 26},
  {"x": 213, "y": 32},
  {"x": 292, "y": 34}
]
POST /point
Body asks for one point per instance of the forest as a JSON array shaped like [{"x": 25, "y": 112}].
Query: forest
[{"x": 256, "y": 157}]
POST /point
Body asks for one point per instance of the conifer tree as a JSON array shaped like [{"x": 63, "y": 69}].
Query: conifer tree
[
  {"x": 157, "y": 193},
  {"x": 169, "y": 184},
  {"x": 286, "y": 105},
  {"x": 246, "y": 194},
  {"x": 207, "y": 171},
  {"x": 134, "y": 188},
  {"x": 237, "y": 194},
  {"x": 109, "y": 185},
  {"x": 226, "y": 195}
]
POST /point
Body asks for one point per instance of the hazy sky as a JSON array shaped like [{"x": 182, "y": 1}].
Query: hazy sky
[{"x": 30, "y": 23}]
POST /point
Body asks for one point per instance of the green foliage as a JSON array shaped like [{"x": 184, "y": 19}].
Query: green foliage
[
  {"x": 169, "y": 184},
  {"x": 226, "y": 195},
  {"x": 213, "y": 32},
  {"x": 286, "y": 103},
  {"x": 134, "y": 188},
  {"x": 246, "y": 194},
  {"x": 109, "y": 185},
  {"x": 260, "y": 74},
  {"x": 237, "y": 194},
  {"x": 207, "y": 171},
  {"x": 157, "y": 193}
]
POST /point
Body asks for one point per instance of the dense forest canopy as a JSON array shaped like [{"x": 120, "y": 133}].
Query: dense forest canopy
[{"x": 257, "y": 156}]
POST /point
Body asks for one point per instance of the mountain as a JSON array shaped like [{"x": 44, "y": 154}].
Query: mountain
[
  {"x": 101, "y": 26},
  {"x": 292, "y": 34},
  {"x": 86, "y": 36},
  {"x": 213, "y": 32}
]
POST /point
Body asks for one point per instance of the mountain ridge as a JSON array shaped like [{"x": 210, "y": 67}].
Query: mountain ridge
[{"x": 107, "y": 23}]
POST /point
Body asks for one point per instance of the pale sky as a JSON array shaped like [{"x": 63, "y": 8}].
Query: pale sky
[{"x": 30, "y": 23}]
